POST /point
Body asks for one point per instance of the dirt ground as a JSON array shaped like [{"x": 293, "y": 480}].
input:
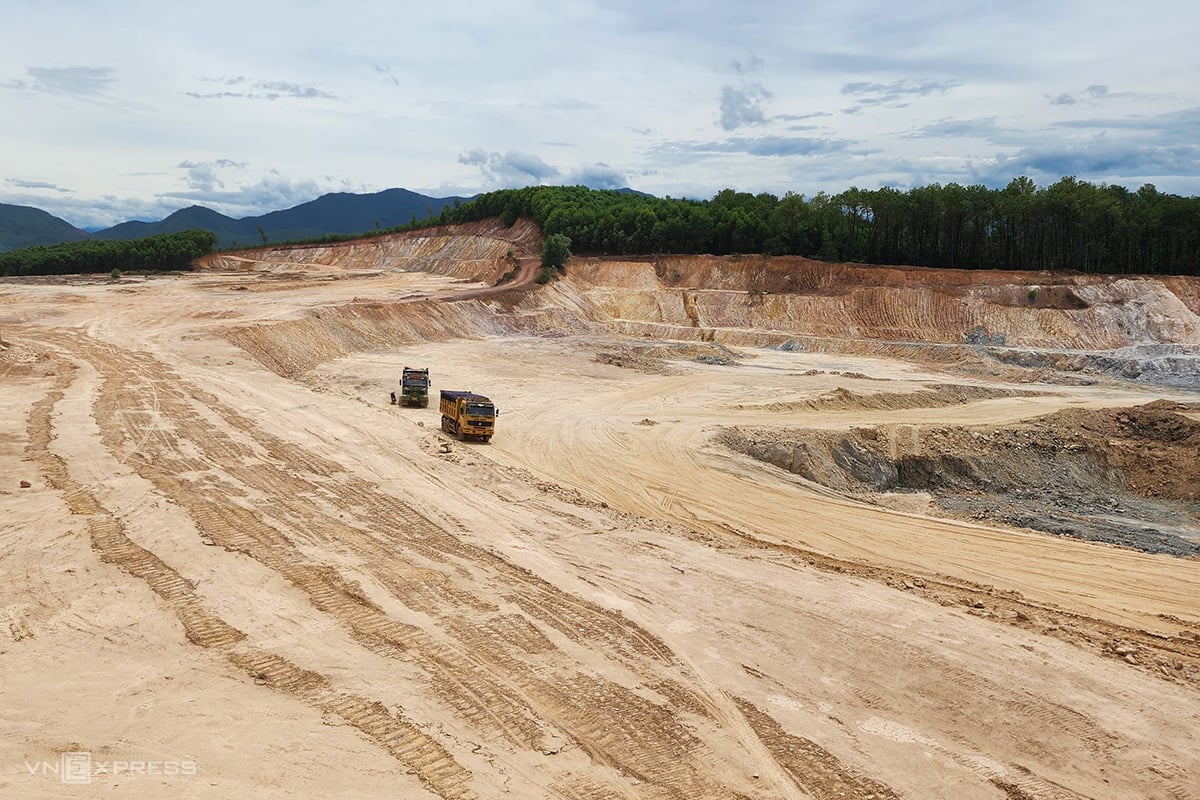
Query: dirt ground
[{"x": 233, "y": 569}]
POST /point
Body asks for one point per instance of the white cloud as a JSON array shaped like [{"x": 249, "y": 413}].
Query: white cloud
[
  {"x": 79, "y": 81},
  {"x": 509, "y": 169}
]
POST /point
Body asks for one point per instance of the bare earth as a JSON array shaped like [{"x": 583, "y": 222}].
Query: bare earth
[{"x": 232, "y": 569}]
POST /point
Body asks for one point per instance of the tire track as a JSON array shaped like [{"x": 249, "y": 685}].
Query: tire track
[
  {"x": 501, "y": 672},
  {"x": 432, "y": 764},
  {"x": 812, "y": 767}
]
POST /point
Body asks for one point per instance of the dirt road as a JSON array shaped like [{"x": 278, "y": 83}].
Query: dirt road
[{"x": 236, "y": 561}]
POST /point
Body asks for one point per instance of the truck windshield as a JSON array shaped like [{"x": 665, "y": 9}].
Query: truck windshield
[
  {"x": 416, "y": 381},
  {"x": 480, "y": 410}
]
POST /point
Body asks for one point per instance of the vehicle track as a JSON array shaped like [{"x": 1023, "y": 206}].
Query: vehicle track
[
  {"x": 501, "y": 669},
  {"x": 640, "y": 481},
  {"x": 505, "y": 667},
  {"x": 811, "y": 766},
  {"x": 391, "y": 731}
]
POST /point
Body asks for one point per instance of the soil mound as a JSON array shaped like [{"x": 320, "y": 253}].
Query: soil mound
[
  {"x": 17, "y": 360},
  {"x": 656, "y": 357}
]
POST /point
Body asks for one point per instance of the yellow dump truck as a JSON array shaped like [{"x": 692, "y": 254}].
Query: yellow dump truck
[{"x": 466, "y": 414}]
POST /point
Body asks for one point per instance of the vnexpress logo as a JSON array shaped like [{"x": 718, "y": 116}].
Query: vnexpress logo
[{"x": 79, "y": 768}]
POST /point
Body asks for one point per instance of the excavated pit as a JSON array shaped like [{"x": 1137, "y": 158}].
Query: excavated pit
[
  {"x": 1061, "y": 328},
  {"x": 1060, "y": 474},
  {"x": 1125, "y": 476}
]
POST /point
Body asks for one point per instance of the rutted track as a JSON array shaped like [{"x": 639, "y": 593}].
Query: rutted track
[
  {"x": 504, "y": 670},
  {"x": 391, "y": 731}
]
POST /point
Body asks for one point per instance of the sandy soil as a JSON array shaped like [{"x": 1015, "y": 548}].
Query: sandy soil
[{"x": 233, "y": 569}]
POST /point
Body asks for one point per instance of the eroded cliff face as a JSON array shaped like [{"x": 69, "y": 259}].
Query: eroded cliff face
[
  {"x": 1139, "y": 327},
  {"x": 809, "y": 298},
  {"x": 471, "y": 252}
]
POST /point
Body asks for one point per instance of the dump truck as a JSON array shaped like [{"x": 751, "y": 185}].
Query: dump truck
[
  {"x": 466, "y": 414},
  {"x": 414, "y": 387}
]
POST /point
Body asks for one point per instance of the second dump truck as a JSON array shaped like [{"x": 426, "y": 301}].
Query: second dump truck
[
  {"x": 414, "y": 387},
  {"x": 466, "y": 414}
]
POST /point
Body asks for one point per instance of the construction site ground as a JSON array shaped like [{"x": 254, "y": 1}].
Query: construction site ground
[{"x": 747, "y": 528}]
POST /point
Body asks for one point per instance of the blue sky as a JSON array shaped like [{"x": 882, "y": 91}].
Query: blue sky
[{"x": 116, "y": 110}]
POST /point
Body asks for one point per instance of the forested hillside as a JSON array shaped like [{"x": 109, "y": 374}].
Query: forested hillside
[
  {"x": 166, "y": 251},
  {"x": 1069, "y": 225}
]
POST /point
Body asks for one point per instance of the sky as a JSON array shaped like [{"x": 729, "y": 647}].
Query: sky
[{"x": 112, "y": 110}]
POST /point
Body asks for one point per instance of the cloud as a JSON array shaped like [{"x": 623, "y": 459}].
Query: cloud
[
  {"x": 801, "y": 117},
  {"x": 893, "y": 95},
  {"x": 599, "y": 176},
  {"x": 202, "y": 176},
  {"x": 742, "y": 105},
  {"x": 276, "y": 89},
  {"x": 270, "y": 193},
  {"x": 977, "y": 128},
  {"x": 1171, "y": 126},
  {"x": 761, "y": 146},
  {"x": 1100, "y": 159},
  {"x": 73, "y": 81},
  {"x": 510, "y": 169},
  {"x": 263, "y": 90},
  {"x": 513, "y": 169},
  {"x": 20, "y": 184},
  {"x": 1096, "y": 91},
  {"x": 388, "y": 73}
]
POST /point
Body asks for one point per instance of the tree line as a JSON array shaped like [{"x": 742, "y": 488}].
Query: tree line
[
  {"x": 167, "y": 251},
  {"x": 1069, "y": 225}
]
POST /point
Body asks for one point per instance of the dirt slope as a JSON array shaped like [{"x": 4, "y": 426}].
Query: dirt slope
[{"x": 234, "y": 557}]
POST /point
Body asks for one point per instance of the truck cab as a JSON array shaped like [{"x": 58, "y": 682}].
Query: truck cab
[{"x": 414, "y": 387}]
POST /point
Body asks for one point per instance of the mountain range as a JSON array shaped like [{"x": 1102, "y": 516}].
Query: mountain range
[{"x": 339, "y": 212}]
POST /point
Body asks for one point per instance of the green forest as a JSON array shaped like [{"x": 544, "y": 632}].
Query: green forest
[
  {"x": 167, "y": 251},
  {"x": 1069, "y": 225}
]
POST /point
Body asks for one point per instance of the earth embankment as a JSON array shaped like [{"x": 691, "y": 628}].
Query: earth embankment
[
  {"x": 1122, "y": 476},
  {"x": 1138, "y": 328}
]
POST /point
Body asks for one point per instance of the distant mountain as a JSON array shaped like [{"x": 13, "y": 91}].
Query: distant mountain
[
  {"x": 23, "y": 226},
  {"x": 188, "y": 218},
  {"x": 341, "y": 212}
]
